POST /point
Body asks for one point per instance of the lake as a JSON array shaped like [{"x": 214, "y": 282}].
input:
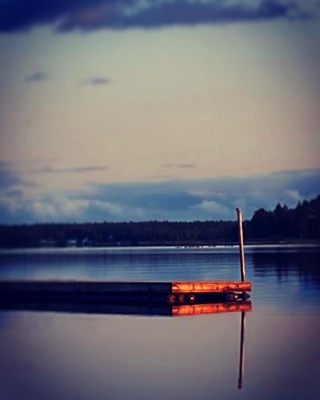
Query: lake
[{"x": 81, "y": 356}]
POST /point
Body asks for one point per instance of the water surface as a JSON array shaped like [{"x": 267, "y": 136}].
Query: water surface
[{"x": 47, "y": 355}]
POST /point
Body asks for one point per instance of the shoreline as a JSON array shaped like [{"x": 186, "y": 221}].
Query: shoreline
[{"x": 152, "y": 246}]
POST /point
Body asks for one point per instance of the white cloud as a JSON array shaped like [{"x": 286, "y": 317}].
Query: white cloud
[
  {"x": 293, "y": 194},
  {"x": 58, "y": 208},
  {"x": 214, "y": 208},
  {"x": 107, "y": 207}
]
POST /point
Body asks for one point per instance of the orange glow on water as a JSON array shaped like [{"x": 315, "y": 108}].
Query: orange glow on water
[{"x": 216, "y": 308}]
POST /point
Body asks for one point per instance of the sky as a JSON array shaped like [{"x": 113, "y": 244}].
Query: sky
[{"x": 118, "y": 110}]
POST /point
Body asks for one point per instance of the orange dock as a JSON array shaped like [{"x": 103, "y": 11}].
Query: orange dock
[
  {"x": 171, "y": 292},
  {"x": 211, "y": 287}
]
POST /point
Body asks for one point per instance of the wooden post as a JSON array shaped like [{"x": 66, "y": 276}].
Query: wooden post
[{"x": 241, "y": 248}]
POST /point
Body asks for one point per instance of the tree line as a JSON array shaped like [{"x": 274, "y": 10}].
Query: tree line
[{"x": 280, "y": 224}]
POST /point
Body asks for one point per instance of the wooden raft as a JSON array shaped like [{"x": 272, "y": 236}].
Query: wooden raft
[
  {"x": 211, "y": 287},
  {"x": 123, "y": 287},
  {"x": 172, "y": 292}
]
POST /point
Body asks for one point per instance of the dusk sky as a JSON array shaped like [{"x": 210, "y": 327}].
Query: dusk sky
[{"x": 118, "y": 110}]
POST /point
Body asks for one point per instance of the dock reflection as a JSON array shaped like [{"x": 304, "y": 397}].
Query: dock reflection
[
  {"x": 215, "y": 308},
  {"x": 127, "y": 308},
  {"x": 144, "y": 309}
]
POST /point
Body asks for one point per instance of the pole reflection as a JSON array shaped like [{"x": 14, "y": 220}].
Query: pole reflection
[{"x": 241, "y": 357}]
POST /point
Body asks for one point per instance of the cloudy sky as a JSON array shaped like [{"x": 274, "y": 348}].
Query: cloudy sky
[{"x": 123, "y": 110}]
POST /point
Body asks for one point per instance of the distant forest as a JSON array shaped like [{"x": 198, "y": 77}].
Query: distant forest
[{"x": 283, "y": 224}]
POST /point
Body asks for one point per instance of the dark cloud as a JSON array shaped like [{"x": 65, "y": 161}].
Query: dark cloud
[
  {"x": 122, "y": 14},
  {"x": 23, "y": 215},
  {"x": 8, "y": 176},
  {"x": 175, "y": 200},
  {"x": 11, "y": 195},
  {"x": 24, "y": 14},
  {"x": 36, "y": 77},
  {"x": 96, "y": 81},
  {"x": 50, "y": 170},
  {"x": 208, "y": 198}
]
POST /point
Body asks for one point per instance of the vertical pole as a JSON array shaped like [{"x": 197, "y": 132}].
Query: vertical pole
[
  {"x": 241, "y": 247},
  {"x": 241, "y": 358}
]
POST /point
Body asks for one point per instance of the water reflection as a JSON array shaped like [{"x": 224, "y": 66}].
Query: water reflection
[
  {"x": 126, "y": 308},
  {"x": 241, "y": 357},
  {"x": 83, "y": 355},
  {"x": 80, "y": 357},
  {"x": 146, "y": 309},
  {"x": 113, "y": 264},
  {"x": 304, "y": 265},
  {"x": 184, "y": 310}
]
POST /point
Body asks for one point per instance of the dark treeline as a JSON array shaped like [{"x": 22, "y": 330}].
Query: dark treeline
[{"x": 281, "y": 224}]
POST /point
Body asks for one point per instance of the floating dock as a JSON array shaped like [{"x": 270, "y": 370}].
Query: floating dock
[
  {"x": 178, "y": 292},
  {"x": 171, "y": 292}
]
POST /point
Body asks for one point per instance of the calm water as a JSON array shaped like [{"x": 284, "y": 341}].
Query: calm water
[{"x": 51, "y": 355}]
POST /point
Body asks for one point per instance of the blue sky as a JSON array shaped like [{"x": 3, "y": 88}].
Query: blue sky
[{"x": 167, "y": 109}]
